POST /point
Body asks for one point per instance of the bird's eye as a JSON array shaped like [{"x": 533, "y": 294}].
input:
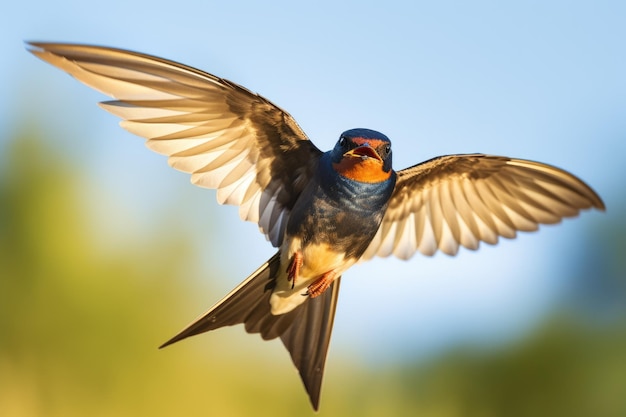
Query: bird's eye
[
  {"x": 342, "y": 141},
  {"x": 387, "y": 148}
]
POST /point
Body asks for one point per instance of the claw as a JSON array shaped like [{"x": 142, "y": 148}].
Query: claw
[
  {"x": 321, "y": 284},
  {"x": 293, "y": 270}
]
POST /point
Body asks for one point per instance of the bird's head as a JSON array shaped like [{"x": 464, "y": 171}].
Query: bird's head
[{"x": 362, "y": 155}]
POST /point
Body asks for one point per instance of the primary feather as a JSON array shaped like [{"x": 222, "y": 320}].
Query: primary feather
[
  {"x": 225, "y": 136},
  {"x": 460, "y": 200}
]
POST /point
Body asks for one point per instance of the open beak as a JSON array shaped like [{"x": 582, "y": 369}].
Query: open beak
[{"x": 363, "y": 152}]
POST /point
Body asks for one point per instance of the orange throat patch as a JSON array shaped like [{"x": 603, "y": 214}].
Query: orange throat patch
[{"x": 362, "y": 169}]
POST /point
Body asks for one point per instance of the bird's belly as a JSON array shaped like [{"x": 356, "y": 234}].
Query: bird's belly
[{"x": 317, "y": 259}]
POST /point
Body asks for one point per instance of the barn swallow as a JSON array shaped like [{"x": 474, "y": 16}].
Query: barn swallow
[{"x": 324, "y": 211}]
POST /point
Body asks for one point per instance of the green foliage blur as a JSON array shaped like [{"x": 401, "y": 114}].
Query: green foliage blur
[{"x": 79, "y": 327}]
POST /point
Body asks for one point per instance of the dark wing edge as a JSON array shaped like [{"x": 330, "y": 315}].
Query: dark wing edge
[
  {"x": 461, "y": 200},
  {"x": 229, "y": 139},
  {"x": 305, "y": 331}
]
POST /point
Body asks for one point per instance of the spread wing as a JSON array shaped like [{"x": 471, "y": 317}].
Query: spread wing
[
  {"x": 460, "y": 200},
  {"x": 225, "y": 136}
]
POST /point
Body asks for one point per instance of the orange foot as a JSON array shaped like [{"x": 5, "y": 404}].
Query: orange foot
[
  {"x": 293, "y": 270},
  {"x": 321, "y": 284}
]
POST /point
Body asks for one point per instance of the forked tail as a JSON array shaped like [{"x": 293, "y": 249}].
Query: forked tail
[{"x": 305, "y": 331}]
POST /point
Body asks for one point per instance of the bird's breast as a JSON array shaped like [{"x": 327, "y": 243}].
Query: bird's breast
[
  {"x": 336, "y": 211},
  {"x": 330, "y": 226}
]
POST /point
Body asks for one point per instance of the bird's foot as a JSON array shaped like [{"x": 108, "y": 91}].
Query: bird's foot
[
  {"x": 321, "y": 284},
  {"x": 293, "y": 270}
]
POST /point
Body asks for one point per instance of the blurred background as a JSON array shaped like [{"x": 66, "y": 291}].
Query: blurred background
[{"x": 105, "y": 252}]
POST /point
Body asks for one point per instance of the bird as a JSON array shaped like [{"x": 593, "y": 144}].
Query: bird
[{"x": 323, "y": 211}]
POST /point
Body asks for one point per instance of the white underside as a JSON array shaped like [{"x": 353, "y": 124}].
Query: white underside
[{"x": 317, "y": 260}]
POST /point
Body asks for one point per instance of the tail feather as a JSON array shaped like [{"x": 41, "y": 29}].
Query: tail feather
[
  {"x": 308, "y": 340},
  {"x": 305, "y": 331}
]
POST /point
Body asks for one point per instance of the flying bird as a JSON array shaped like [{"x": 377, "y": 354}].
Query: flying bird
[{"x": 324, "y": 211}]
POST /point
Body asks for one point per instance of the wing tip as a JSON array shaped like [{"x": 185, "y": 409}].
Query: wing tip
[
  {"x": 597, "y": 202},
  {"x": 35, "y": 47},
  {"x": 171, "y": 341}
]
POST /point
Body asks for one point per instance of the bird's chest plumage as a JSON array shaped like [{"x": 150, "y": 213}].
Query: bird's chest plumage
[
  {"x": 329, "y": 228},
  {"x": 338, "y": 212}
]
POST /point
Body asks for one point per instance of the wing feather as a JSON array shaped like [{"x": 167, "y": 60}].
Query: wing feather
[
  {"x": 225, "y": 136},
  {"x": 460, "y": 200}
]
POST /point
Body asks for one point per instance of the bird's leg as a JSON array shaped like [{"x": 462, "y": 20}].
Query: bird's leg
[
  {"x": 293, "y": 270},
  {"x": 321, "y": 284}
]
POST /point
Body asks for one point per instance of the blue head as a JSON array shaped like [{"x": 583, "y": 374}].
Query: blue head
[{"x": 362, "y": 155}]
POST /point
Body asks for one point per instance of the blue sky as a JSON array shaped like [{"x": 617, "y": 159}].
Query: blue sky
[{"x": 537, "y": 80}]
